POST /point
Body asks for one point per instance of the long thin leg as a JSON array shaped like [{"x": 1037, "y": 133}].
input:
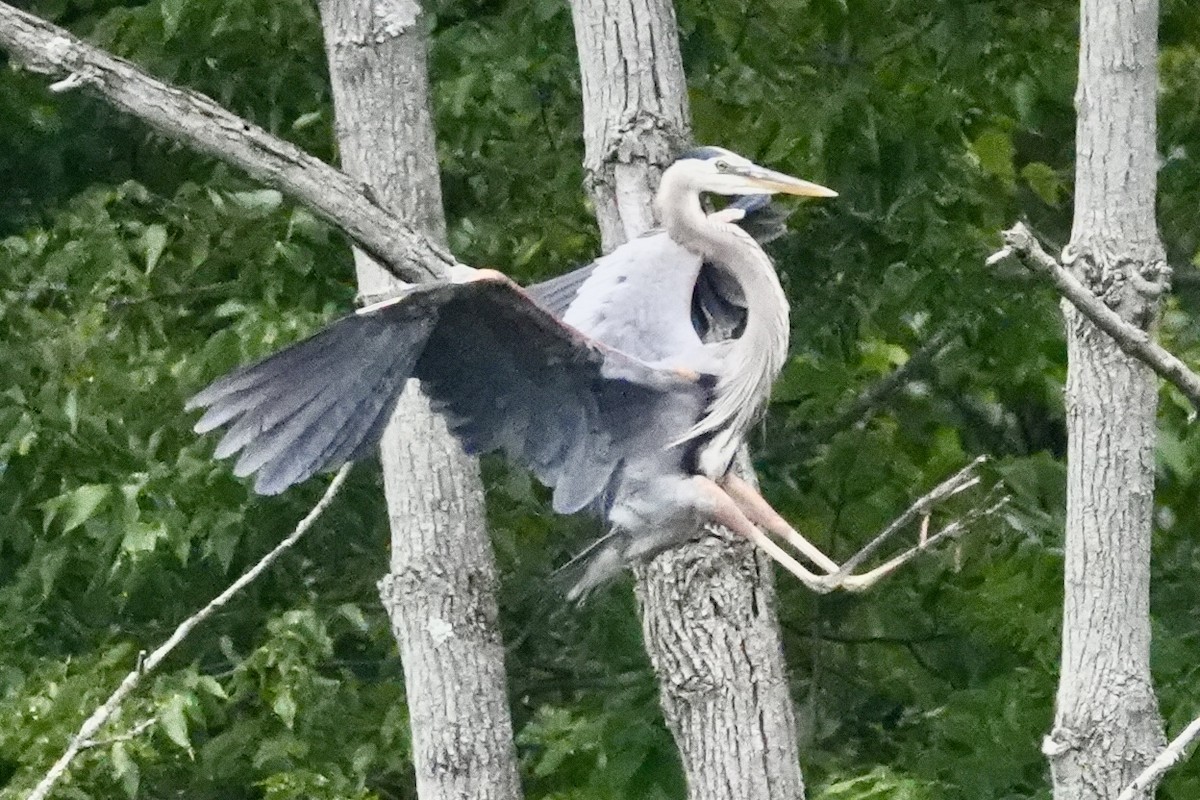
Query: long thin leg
[
  {"x": 726, "y": 512},
  {"x": 761, "y": 513}
]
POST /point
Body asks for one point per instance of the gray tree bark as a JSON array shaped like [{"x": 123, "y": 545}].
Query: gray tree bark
[
  {"x": 440, "y": 592},
  {"x": 708, "y": 609},
  {"x": 1107, "y": 726}
]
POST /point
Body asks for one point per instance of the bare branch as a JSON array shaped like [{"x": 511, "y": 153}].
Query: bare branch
[
  {"x": 85, "y": 737},
  {"x": 865, "y": 580},
  {"x": 132, "y": 733},
  {"x": 198, "y": 121},
  {"x": 1020, "y": 242},
  {"x": 1168, "y": 758},
  {"x": 869, "y": 399},
  {"x": 960, "y": 481}
]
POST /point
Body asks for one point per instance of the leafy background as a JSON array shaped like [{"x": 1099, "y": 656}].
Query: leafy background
[{"x": 132, "y": 271}]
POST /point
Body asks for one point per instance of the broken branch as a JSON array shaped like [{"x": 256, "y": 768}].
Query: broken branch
[{"x": 1020, "y": 242}]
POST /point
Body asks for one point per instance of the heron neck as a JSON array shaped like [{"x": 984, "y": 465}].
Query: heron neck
[{"x": 757, "y": 356}]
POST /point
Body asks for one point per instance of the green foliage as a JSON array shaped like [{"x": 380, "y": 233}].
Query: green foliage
[{"x": 132, "y": 271}]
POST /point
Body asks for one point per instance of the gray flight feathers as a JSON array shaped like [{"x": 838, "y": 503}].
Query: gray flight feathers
[
  {"x": 556, "y": 294},
  {"x": 506, "y": 374}
]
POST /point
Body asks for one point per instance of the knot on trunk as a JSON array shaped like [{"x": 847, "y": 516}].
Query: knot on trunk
[
  {"x": 1131, "y": 285},
  {"x": 1058, "y": 742},
  {"x": 638, "y": 137}
]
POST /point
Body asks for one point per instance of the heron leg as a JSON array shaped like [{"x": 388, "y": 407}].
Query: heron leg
[
  {"x": 761, "y": 513},
  {"x": 757, "y": 511},
  {"x": 725, "y": 511}
]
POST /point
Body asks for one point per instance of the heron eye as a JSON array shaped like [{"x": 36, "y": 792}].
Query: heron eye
[{"x": 722, "y": 166}]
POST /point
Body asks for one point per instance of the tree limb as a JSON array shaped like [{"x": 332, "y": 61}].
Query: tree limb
[
  {"x": 85, "y": 737},
  {"x": 1019, "y": 241},
  {"x": 132, "y": 733},
  {"x": 1168, "y": 758},
  {"x": 201, "y": 123},
  {"x": 960, "y": 481}
]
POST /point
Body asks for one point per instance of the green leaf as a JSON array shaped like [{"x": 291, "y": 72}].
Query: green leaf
[
  {"x": 154, "y": 241},
  {"x": 354, "y": 615},
  {"x": 77, "y": 506},
  {"x": 261, "y": 202},
  {"x": 284, "y": 706},
  {"x": 212, "y": 686},
  {"x": 125, "y": 769},
  {"x": 1044, "y": 181},
  {"x": 71, "y": 410},
  {"x": 882, "y": 357},
  {"x": 994, "y": 149},
  {"x": 305, "y": 120},
  {"x": 172, "y": 15},
  {"x": 49, "y": 565},
  {"x": 142, "y": 537},
  {"x": 174, "y": 722}
]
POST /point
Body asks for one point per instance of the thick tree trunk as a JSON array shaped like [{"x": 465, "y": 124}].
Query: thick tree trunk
[
  {"x": 1107, "y": 726},
  {"x": 708, "y": 609},
  {"x": 440, "y": 593}
]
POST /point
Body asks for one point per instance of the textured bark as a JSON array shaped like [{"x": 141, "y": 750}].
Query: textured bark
[
  {"x": 635, "y": 107},
  {"x": 1107, "y": 726},
  {"x": 201, "y": 123},
  {"x": 440, "y": 593},
  {"x": 708, "y": 609}
]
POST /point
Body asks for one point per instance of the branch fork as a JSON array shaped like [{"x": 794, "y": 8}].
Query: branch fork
[{"x": 746, "y": 511}]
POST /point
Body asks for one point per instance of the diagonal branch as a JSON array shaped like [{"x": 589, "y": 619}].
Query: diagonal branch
[
  {"x": 960, "y": 481},
  {"x": 1019, "y": 241},
  {"x": 201, "y": 123},
  {"x": 85, "y": 737},
  {"x": 1169, "y": 757},
  {"x": 129, "y": 735}
]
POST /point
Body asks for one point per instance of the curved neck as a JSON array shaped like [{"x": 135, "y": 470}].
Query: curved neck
[{"x": 756, "y": 357}]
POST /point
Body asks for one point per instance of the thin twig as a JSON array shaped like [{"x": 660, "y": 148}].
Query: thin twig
[
  {"x": 85, "y": 736},
  {"x": 867, "y": 401},
  {"x": 1163, "y": 762},
  {"x": 132, "y": 733},
  {"x": 1019, "y": 241},
  {"x": 858, "y": 583},
  {"x": 960, "y": 481},
  {"x": 200, "y": 122}
]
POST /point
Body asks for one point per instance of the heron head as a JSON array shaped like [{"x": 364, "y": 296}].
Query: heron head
[{"x": 720, "y": 171}]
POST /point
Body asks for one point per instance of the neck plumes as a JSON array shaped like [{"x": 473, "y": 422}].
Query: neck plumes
[{"x": 753, "y": 360}]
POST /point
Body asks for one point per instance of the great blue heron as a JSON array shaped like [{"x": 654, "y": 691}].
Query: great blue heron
[{"x": 600, "y": 383}]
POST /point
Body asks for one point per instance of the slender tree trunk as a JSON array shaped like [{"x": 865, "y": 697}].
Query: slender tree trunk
[
  {"x": 440, "y": 593},
  {"x": 1107, "y": 726},
  {"x": 708, "y": 609}
]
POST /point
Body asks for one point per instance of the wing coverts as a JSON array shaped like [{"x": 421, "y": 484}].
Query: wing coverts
[{"x": 505, "y": 373}]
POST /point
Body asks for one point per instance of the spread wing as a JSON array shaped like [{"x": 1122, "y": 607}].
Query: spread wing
[{"x": 506, "y": 374}]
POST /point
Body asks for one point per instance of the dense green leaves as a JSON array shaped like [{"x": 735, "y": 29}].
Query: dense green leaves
[{"x": 132, "y": 271}]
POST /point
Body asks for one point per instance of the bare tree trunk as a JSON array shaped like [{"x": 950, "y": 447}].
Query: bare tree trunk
[
  {"x": 708, "y": 609},
  {"x": 440, "y": 593},
  {"x": 1107, "y": 726}
]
